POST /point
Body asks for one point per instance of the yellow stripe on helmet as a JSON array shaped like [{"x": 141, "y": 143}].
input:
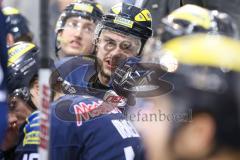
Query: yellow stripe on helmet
[
  {"x": 194, "y": 14},
  {"x": 147, "y": 14},
  {"x": 140, "y": 18},
  {"x": 16, "y": 52},
  {"x": 143, "y": 16},
  {"x": 10, "y": 11}
]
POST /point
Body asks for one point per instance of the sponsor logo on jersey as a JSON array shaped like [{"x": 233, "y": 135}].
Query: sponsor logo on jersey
[{"x": 84, "y": 111}]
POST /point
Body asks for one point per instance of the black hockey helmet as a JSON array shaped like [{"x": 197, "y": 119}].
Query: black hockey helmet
[
  {"x": 17, "y": 25},
  {"x": 23, "y": 65},
  {"x": 86, "y": 9},
  {"x": 191, "y": 19},
  {"x": 127, "y": 19}
]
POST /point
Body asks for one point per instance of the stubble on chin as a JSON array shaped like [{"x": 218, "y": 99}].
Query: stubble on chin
[{"x": 105, "y": 74}]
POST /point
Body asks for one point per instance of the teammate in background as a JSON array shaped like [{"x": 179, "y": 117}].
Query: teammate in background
[
  {"x": 3, "y": 75},
  {"x": 191, "y": 19},
  {"x": 19, "y": 110},
  {"x": 23, "y": 64},
  {"x": 17, "y": 26},
  {"x": 220, "y": 5},
  {"x": 75, "y": 28}
]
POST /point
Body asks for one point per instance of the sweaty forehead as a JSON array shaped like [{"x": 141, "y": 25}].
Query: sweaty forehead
[{"x": 119, "y": 36}]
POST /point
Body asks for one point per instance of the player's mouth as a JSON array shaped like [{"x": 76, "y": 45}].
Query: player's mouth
[
  {"x": 110, "y": 65},
  {"x": 75, "y": 44}
]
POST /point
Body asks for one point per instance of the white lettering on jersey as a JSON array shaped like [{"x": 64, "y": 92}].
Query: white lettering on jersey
[
  {"x": 129, "y": 153},
  {"x": 125, "y": 128}
]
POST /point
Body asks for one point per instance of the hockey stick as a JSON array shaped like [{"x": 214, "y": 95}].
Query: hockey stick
[{"x": 44, "y": 74}]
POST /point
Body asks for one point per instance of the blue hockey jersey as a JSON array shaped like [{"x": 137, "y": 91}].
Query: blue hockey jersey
[
  {"x": 27, "y": 148},
  {"x": 86, "y": 128}
]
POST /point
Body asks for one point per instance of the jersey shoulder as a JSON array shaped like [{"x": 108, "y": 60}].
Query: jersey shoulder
[
  {"x": 29, "y": 139},
  {"x": 32, "y": 130}
]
